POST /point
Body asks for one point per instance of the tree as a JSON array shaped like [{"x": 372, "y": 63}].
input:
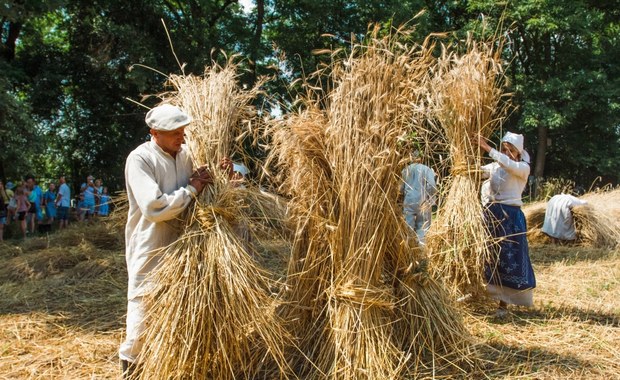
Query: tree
[
  {"x": 297, "y": 28},
  {"x": 566, "y": 87},
  {"x": 17, "y": 126},
  {"x": 68, "y": 68},
  {"x": 76, "y": 62}
]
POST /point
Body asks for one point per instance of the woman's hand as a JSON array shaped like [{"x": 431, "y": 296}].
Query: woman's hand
[{"x": 482, "y": 143}]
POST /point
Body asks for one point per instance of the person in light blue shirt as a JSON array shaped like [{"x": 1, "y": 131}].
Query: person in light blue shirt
[
  {"x": 63, "y": 202},
  {"x": 90, "y": 194},
  {"x": 104, "y": 205},
  {"x": 49, "y": 200},
  {"x": 419, "y": 190},
  {"x": 35, "y": 197}
]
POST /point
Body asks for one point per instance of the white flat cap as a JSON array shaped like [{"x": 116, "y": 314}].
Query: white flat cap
[{"x": 167, "y": 117}]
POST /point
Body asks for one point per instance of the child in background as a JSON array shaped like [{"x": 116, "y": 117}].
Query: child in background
[
  {"x": 49, "y": 200},
  {"x": 11, "y": 209},
  {"x": 104, "y": 205},
  {"x": 22, "y": 208},
  {"x": 81, "y": 209}
]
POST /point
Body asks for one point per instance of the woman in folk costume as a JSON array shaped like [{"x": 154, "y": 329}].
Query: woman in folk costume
[{"x": 510, "y": 277}]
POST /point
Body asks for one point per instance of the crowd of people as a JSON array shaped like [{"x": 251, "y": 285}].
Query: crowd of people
[{"x": 31, "y": 209}]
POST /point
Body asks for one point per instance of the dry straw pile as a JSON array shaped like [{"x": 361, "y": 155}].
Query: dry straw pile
[
  {"x": 595, "y": 228},
  {"x": 212, "y": 314},
  {"x": 467, "y": 101},
  {"x": 360, "y": 300}
]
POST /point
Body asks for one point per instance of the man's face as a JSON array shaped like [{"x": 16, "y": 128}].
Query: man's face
[
  {"x": 169, "y": 141},
  {"x": 61, "y": 180}
]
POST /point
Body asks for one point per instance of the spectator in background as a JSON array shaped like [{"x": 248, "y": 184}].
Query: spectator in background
[
  {"x": 35, "y": 195},
  {"x": 11, "y": 209},
  {"x": 63, "y": 202},
  {"x": 90, "y": 196},
  {"x": 80, "y": 208},
  {"x": 49, "y": 201},
  {"x": 4, "y": 203},
  {"x": 32, "y": 183},
  {"x": 99, "y": 185},
  {"x": 418, "y": 191},
  {"x": 104, "y": 204},
  {"x": 98, "y": 192},
  {"x": 22, "y": 208}
]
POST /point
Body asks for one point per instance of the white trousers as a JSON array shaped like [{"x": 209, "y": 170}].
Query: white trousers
[
  {"x": 419, "y": 219},
  {"x": 132, "y": 345}
]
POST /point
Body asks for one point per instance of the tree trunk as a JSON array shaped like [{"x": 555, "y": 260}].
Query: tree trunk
[
  {"x": 8, "y": 48},
  {"x": 541, "y": 152}
]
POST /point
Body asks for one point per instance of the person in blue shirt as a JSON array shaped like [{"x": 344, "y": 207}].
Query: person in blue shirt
[
  {"x": 49, "y": 201},
  {"x": 35, "y": 197},
  {"x": 90, "y": 195},
  {"x": 418, "y": 191},
  {"x": 104, "y": 205},
  {"x": 63, "y": 202}
]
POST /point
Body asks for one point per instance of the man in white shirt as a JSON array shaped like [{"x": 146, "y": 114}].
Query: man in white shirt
[
  {"x": 161, "y": 184},
  {"x": 419, "y": 190}
]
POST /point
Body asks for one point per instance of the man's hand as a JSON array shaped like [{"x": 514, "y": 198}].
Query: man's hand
[{"x": 200, "y": 178}]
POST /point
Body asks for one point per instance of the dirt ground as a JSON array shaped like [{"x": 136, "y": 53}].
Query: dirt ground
[{"x": 62, "y": 306}]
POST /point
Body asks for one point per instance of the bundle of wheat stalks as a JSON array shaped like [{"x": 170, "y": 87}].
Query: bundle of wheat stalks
[
  {"x": 595, "y": 228},
  {"x": 467, "y": 101},
  {"x": 360, "y": 300},
  {"x": 212, "y": 314}
]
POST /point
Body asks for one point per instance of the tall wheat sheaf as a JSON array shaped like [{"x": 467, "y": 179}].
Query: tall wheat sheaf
[
  {"x": 359, "y": 298},
  {"x": 467, "y": 100},
  {"x": 212, "y": 314}
]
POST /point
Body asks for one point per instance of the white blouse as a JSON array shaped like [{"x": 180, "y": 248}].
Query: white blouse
[{"x": 506, "y": 180}]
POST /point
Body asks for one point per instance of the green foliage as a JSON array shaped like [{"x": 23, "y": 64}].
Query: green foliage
[
  {"x": 564, "y": 82},
  {"x": 65, "y": 86}
]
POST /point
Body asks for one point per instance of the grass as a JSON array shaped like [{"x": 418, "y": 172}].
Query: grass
[
  {"x": 62, "y": 316},
  {"x": 67, "y": 321}
]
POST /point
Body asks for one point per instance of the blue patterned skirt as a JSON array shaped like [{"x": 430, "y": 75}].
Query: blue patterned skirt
[{"x": 511, "y": 266}]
